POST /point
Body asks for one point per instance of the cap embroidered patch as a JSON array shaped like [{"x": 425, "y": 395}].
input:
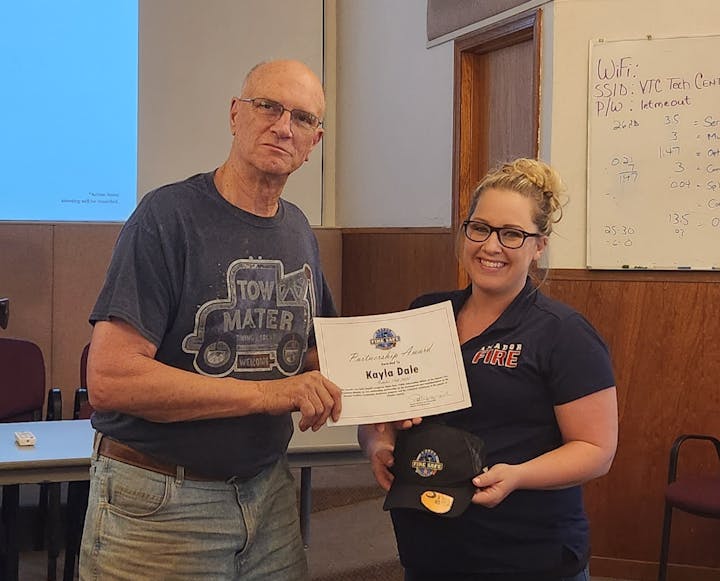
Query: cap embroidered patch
[
  {"x": 434, "y": 467},
  {"x": 427, "y": 463},
  {"x": 436, "y": 502}
]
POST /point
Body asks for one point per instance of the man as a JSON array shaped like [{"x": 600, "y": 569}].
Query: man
[{"x": 199, "y": 344}]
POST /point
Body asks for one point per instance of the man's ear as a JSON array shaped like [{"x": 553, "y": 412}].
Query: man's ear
[
  {"x": 233, "y": 114},
  {"x": 316, "y": 139}
]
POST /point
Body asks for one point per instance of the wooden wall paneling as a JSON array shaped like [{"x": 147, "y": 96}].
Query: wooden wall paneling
[
  {"x": 81, "y": 257},
  {"x": 664, "y": 337},
  {"x": 385, "y": 269},
  {"x": 330, "y": 244},
  {"x": 26, "y": 271}
]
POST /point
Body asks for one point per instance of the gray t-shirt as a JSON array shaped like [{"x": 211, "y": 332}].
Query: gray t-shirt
[{"x": 223, "y": 293}]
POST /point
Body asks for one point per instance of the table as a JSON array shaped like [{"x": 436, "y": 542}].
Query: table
[
  {"x": 63, "y": 449},
  {"x": 61, "y": 453}
]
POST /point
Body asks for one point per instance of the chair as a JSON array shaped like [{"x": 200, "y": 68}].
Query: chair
[
  {"x": 77, "y": 491},
  {"x": 22, "y": 395},
  {"x": 694, "y": 494},
  {"x": 82, "y": 409},
  {"x": 4, "y": 313},
  {"x": 22, "y": 380}
]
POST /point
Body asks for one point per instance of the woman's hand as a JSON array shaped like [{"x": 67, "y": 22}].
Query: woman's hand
[
  {"x": 495, "y": 484},
  {"x": 398, "y": 425}
]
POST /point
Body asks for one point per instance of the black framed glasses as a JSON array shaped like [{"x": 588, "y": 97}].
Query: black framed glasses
[
  {"x": 272, "y": 111},
  {"x": 509, "y": 237}
]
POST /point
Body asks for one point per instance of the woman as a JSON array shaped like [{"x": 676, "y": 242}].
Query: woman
[{"x": 544, "y": 402}]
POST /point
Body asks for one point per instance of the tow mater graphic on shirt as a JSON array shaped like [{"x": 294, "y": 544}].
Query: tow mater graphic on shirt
[{"x": 261, "y": 326}]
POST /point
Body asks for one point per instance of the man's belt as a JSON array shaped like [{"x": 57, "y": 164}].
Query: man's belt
[{"x": 123, "y": 453}]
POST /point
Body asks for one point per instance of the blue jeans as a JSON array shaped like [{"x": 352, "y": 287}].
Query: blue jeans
[{"x": 144, "y": 525}]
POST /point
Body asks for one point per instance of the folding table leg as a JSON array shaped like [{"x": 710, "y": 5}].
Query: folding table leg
[
  {"x": 305, "y": 503},
  {"x": 53, "y": 529},
  {"x": 10, "y": 507}
]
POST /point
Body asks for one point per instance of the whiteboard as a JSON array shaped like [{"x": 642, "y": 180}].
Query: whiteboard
[{"x": 654, "y": 154}]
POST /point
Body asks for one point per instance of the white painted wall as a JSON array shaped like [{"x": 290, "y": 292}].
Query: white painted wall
[
  {"x": 193, "y": 57},
  {"x": 394, "y": 117},
  {"x": 395, "y": 99}
]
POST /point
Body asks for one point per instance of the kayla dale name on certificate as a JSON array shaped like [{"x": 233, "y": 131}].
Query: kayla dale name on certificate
[{"x": 394, "y": 366}]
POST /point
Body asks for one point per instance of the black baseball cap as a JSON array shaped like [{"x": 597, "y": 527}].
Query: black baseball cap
[{"x": 434, "y": 467}]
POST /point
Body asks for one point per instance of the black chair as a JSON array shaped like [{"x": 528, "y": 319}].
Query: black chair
[
  {"x": 83, "y": 367},
  {"x": 697, "y": 494},
  {"x": 4, "y": 313},
  {"x": 77, "y": 491},
  {"x": 22, "y": 396}
]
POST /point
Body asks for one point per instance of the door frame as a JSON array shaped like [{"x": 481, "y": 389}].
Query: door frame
[{"x": 471, "y": 110}]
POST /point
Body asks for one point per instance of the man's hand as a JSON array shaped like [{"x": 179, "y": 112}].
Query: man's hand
[
  {"x": 378, "y": 443},
  {"x": 381, "y": 460},
  {"x": 314, "y": 396}
]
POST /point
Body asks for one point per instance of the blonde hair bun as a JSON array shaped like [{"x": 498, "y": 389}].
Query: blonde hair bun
[{"x": 531, "y": 178}]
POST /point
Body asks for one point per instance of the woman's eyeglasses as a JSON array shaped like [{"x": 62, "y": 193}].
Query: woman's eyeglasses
[{"x": 509, "y": 237}]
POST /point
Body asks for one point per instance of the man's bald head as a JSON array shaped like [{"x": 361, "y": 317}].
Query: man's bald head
[{"x": 286, "y": 71}]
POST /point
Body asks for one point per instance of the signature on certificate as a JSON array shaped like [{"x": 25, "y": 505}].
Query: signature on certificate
[{"x": 426, "y": 398}]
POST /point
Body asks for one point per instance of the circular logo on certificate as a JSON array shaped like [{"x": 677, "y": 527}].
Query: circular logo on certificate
[{"x": 384, "y": 338}]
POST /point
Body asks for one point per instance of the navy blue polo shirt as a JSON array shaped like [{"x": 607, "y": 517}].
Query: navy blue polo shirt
[{"x": 540, "y": 353}]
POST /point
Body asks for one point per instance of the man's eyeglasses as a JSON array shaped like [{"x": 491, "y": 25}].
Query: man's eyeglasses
[
  {"x": 272, "y": 111},
  {"x": 509, "y": 237}
]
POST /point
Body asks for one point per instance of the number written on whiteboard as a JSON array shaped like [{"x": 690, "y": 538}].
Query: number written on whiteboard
[
  {"x": 624, "y": 124},
  {"x": 625, "y": 166},
  {"x": 676, "y": 218},
  {"x": 619, "y": 235}
]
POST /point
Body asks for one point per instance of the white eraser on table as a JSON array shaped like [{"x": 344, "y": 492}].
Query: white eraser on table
[{"x": 25, "y": 438}]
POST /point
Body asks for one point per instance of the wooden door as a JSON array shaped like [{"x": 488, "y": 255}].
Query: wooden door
[{"x": 497, "y": 84}]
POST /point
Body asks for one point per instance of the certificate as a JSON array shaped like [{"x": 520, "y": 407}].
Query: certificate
[{"x": 394, "y": 366}]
